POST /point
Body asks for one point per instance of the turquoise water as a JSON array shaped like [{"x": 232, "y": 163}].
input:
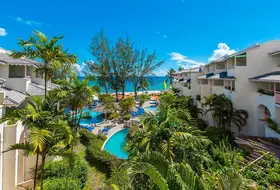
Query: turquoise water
[
  {"x": 151, "y": 108},
  {"x": 96, "y": 117},
  {"x": 155, "y": 83},
  {"x": 115, "y": 144}
]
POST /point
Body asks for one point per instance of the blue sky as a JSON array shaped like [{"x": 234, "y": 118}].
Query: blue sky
[{"x": 183, "y": 32}]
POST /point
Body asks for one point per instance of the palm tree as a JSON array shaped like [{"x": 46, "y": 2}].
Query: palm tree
[
  {"x": 152, "y": 170},
  {"x": 76, "y": 94},
  {"x": 52, "y": 55},
  {"x": 170, "y": 131},
  {"x": 169, "y": 76},
  {"x": 46, "y": 132},
  {"x": 223, "y": 112},
  {"x": 230, "y": 179}
]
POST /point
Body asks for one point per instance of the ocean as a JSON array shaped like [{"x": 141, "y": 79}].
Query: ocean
[{"x": 156, "y": 83}]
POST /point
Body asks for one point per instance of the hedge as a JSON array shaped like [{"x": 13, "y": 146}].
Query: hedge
[{"x": 96, "y": 157}]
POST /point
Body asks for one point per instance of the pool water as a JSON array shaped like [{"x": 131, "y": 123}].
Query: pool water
[
  {"x": 115, "y": 143},
  {"x": 96, "y": 117},
  {"x": 151, "y": 108}
]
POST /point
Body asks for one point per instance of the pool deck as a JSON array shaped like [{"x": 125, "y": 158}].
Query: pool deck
[{"x": 112, "y": 132}]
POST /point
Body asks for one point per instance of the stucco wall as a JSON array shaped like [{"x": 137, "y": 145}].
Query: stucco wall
[
  {"x": 18, "y": 84},
  {"x": 4, "y": 71},
  {"x": 258, "y": 62}
]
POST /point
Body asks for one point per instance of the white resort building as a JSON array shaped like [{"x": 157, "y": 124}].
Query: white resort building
[
  {"x": 249, "y": 78},
  {"x": 17, "y": 79}
]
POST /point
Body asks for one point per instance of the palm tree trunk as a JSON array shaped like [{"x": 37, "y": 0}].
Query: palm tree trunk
[
  {"x": 135, "y": 92},
  {"x": 45, "y": 84},
  {"x": 116, "y": 95},
  {"x": 35, "y": 172},
  {"x": 43, "y": 171}
]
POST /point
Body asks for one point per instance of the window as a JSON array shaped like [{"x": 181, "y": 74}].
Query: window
[
  {"x": 240, "y": 61},
  {"x": 16, "y": 71},
  {"x": 230, "y": 63},
  {"x": 218, "y": 83},
  {"x": 204, "y": 81}
]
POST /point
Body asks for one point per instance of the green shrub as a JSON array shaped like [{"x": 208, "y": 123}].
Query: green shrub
[
  {"x": 61, "y": 183},
  {"x": 273, "y": 125},
  {"x": 86, "y": 137},
  {"x": 114, "y": 115},
  {"x": 60, "y": 169},
  {"x": 142, "y": 98},
  {"x": 216, "y": 134},
  {"x": 127, "y": 117}
]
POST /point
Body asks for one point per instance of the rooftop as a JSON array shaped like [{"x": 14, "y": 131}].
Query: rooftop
[
  {"x": 268, "y": 77},
  {"x": 6, "y": 59}
]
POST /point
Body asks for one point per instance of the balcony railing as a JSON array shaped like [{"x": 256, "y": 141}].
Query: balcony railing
[
  {"x": 228, "y": 88},
  {"x": 277, "y": 97}
]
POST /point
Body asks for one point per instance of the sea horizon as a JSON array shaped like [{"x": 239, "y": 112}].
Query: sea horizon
[{"x": 155, "y": 84}]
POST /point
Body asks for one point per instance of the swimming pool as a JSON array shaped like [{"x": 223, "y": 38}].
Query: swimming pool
[
  {"x": 115, "y": 143},
  {"x": 151, "y": 108},
  {"x": 96, "y": 117}
]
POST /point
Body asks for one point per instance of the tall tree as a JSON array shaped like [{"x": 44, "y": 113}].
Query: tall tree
[
  {"x": 125, "y": 52},
  {"x": 169, "y": 76},
  {"x": 52, "y": 55},
  {"x": 115, "y": 75},
  {"x": 100, "y": 49},
  {"x": 145, "y": 66}
]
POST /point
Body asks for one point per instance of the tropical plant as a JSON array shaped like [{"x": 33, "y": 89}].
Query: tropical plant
[
  {"x": 107, "y": 103},
  {"x": 75, "y": 94},
  {"x": 172, "y": 132},
  {"x": 273, "y": 125},
  {"x": 47, "y": 134},
  {"x": 153, "y": 171},
  {"x": 230, "y": 179},
  {"x": 223, "y": 112},
  {"x": 169, "y": 76},
  {"x": 145, "y": 66},
  {"x": 52, "y": 55},
  {"x": 126, "y": 105},
  {"x": 142, "y": 98}
]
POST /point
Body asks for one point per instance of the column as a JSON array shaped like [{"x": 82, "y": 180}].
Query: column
[{"x": 25, "y": 72}]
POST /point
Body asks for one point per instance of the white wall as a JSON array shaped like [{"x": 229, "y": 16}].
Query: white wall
[
  {"x": 258, "y": 62},
  {"x": 18, "y": 84},
  {"x": 4, "y": 71}
]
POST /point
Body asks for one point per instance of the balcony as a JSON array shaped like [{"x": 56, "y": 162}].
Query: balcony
[
  {"x": 277, "y": 98},
  {"x": 274, "y": 94}
]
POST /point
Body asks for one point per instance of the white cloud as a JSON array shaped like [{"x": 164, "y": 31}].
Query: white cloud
[
  {"x": 161, "y": 72},
  {"x": 183, "y": 61},
  {"x": 79, "y": 68},
  {"x": 223, "y": 49},
  {"x": 3, "y": 32},
  {"x": 28, "y": 22}
]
